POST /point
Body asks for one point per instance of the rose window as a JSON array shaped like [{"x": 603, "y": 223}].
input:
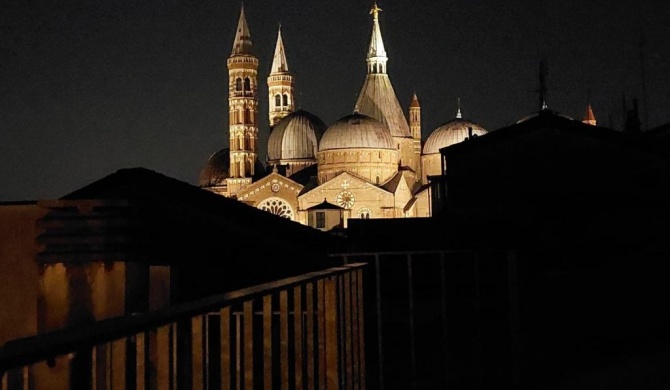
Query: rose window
[{"x": 278, "y": 207}]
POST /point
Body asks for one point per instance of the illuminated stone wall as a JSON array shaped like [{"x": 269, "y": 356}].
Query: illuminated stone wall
[{"x": 373, "y": 165}]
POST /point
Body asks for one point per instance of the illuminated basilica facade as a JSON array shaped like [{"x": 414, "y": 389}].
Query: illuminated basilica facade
[{"x": 372, "y": 163}]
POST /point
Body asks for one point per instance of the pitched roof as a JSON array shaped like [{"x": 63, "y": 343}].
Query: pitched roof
[
  {"x": 378, "y": 100},
  {"x": 325, "y": 205},
  {"x": 174, "y": 200}
]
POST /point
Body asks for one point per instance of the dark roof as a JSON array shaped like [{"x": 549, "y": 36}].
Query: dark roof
[
  {"x": 304, "y": 176},
  {"x": 548, "y": 120},
  {"x": 173, "y": 197},
  {"x": 392, "y": 184},
  {"x": 325, "y": 205}
]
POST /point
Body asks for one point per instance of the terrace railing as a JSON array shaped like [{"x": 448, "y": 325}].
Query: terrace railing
[{"x": 304, "y": 332}]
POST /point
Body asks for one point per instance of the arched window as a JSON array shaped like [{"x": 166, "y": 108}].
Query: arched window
[
  {"x": 277, "y": 100},
  {"x": 247, "y": 115},
  {"x": 364, "y": 213},
  {"x": 238, "y": 84},
  {"x": 381, "y": 68},
  {"x": 374, "y": 68},
  {"x": 247, "y": 84},
  {"x": 285, "y": 100}
]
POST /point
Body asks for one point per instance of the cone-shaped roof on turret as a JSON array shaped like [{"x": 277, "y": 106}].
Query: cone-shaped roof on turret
[
  {"x": 589, "y": 118},
  {"x": 279, "y": 63},
  {"x": 242, "y": 44},
  {"x": 415, "y": 101}
]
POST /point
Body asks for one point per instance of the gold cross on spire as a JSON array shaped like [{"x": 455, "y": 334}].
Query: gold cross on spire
[{"x": 375, "y": 11}]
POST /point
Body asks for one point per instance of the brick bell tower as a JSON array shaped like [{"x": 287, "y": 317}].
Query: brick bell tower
[
  {"x": 280, "y": 85},
  {"x": 243, "y": 108}
]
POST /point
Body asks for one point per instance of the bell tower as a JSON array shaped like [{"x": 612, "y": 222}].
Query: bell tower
[
  {"x": 243, "y": 108},
  {"x": 415, "y": 129},
  {"x": 280, "y": 85}
]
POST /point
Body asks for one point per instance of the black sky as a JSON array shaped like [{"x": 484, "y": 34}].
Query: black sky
[{"x": 89, "y": 87}]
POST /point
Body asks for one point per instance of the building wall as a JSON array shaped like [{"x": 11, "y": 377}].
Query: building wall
[
  {"x": 366, "y": 197},
  {"x": 431, "y": 165},
  {"x": 374, "y": 165},
  {"x": 19, "y": 272}
]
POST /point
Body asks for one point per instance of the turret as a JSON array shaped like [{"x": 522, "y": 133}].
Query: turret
[
  {"x": 376, "y": 53},
  {"x": 415, "y": 128},
  {"x": 280, "y": 85}
]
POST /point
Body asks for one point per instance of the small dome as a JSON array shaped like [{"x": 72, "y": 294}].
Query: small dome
[
  {"x": 216, "y": 171},
  {"x": 357, "y": 131},
  {"x": 450, "y": 133},
  {"x": 296, "y": 136}
]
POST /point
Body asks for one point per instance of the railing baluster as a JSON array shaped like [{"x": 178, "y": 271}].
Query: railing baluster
[
  {"x": 283, "y": 338},
  {"x": 331, "y": 371},
  {"x": 226, "y": 382},
  {"x": 118, "y": 363},
  {"x": 163, "y": 358},
  {"x": 140, "y": 362},
  {"x": 249, "y": 345},
  {"x": 353, "y": 287},
  {"x": 348, "y": 354},
  {"x": 297, "y": 336},
  {"x": 412, "y": 341},
  {"x": 361, "y": 329},
  {"x": 321, "y": 320},
  {"x": 267, "y": 342},
  {"x": 311, "y": 353},
  {"x": 197, "y": 356}
]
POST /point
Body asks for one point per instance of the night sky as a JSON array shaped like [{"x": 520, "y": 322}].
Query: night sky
[{"x": 89, "y": 87}]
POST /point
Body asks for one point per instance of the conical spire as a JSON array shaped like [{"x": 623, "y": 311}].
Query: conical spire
[
  {"x": 242, "y": 44},
  {"x": 415, "y": 101},
  {"x": 589, "y": 118},
  {"x": 376, "y": 52},
  {"x": 377, "y": 98},
  {"x": 279, "y": 63}
]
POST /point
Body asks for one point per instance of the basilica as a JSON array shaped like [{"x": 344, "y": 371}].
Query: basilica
[{"x": 371, "y": 163}]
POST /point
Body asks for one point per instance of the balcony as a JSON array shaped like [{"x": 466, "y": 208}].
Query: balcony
[{"x": 299, "y": 332}]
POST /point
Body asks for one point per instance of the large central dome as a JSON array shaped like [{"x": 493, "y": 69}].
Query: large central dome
[{"x": 357, "y": 131}]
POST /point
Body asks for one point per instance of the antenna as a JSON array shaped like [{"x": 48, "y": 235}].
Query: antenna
[
  {"x": 543, "y": 85},
  {"x": 643, "y": 77}
]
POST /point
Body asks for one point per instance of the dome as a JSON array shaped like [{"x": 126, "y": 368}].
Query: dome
[
  {"x": 296, "y": 136},
  {"x": 357, "y": 131},
  {"x": 450, "y": 133},
  {"x": 216, "y": 171}
]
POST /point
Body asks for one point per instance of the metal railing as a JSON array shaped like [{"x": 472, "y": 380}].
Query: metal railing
[
  {"x": 440, "y": 318},
  {"x": 304, "y": 332}
]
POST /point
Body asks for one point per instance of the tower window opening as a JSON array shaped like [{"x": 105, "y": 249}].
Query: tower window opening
[
  {"x": 238, "y": 84},
  {"x": 374, "y": 68},
  {"x": 277, "y": 100},
  {"x": 247, "y": 115},
  {"x": 247, "y": 84},
  {"x": 381, "y": 68},
  {"x": 286, "y": 100}
]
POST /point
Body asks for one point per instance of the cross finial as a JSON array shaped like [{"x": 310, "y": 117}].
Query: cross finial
[{"x": 375, "y": 11}]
